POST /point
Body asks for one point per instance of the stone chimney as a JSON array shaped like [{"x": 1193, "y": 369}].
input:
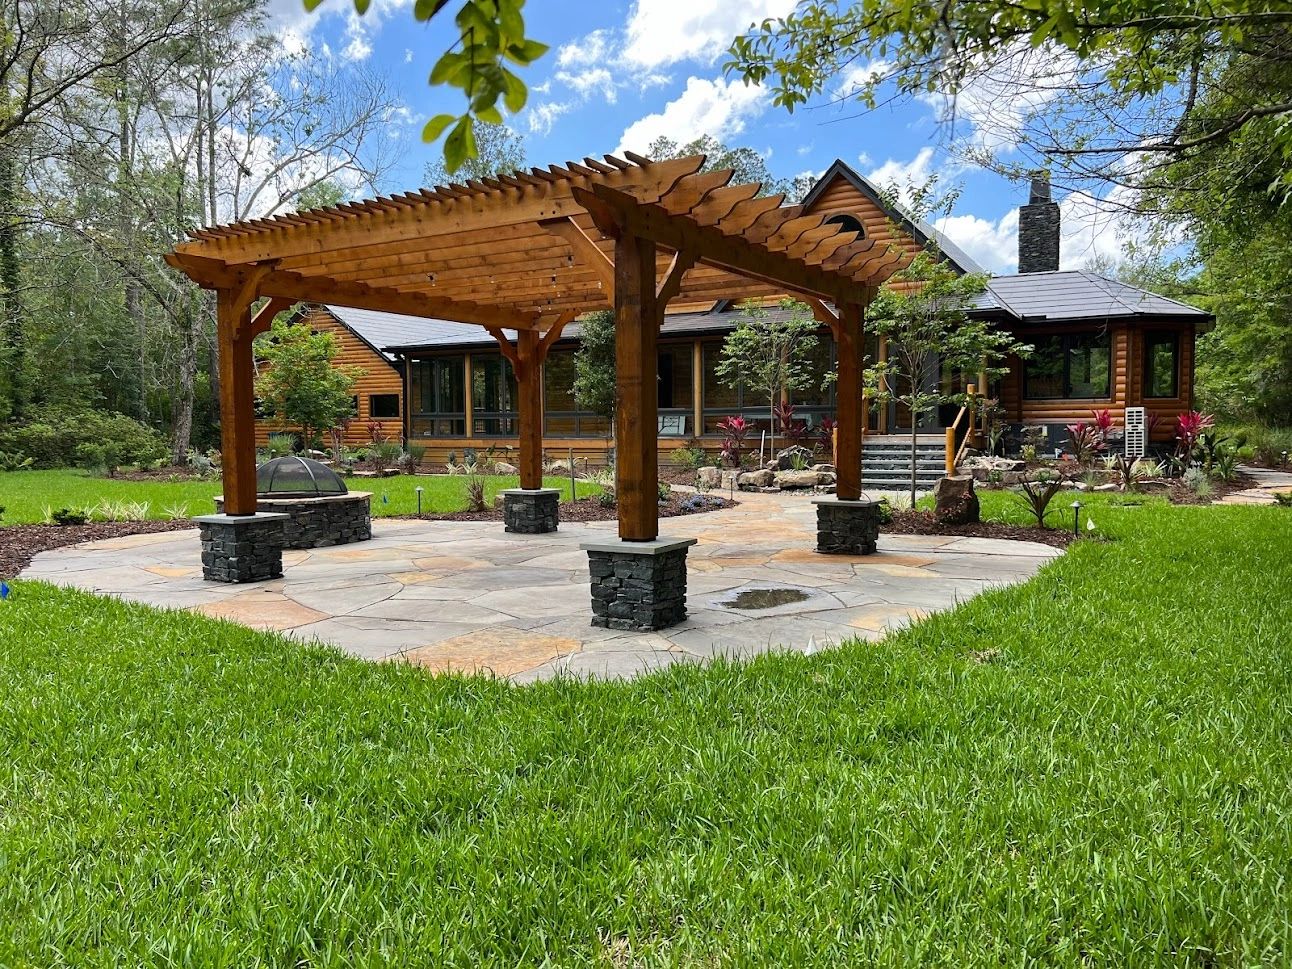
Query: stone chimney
[{"x": 1038, "y": 229}]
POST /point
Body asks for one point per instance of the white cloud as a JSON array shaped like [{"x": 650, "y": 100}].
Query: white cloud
[
  {"x": 542, "y": 117},
  {"x": 1092, "y": 227},
  {"x": 993, "y": 244},
  {"x": 594, "y": 48},
  {"x": 592, "y": 80},
  {"x": 359, "y": 48},
  {"x": 904, "y": 176},
  {"x": 859, "y": 76},
  {"x": 998, "y": 103},
  {"x": 408, "y": 55},
  {"x": 718, "y": 108},
  {"x": 662, "y": 32}
]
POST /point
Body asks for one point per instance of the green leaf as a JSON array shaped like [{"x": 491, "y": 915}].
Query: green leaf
[
  {"x": 459, "y": 145},
  {"x": 435, "y": 127},
  {"x": 526, "y": 52},
  {"x": 491, "y": 115},
  {"x": 361, "y": 6},
  {"x": 515, "y": 93},
  {"x": 446, "y": 67}
]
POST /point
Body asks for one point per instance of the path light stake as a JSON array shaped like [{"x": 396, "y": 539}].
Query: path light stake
[
  {"x": 1285, "y": 459},
  {"x": 1076, "y": 518},
  {"x": 418, "y": 489},
  {"x": 572, "y": 494}
]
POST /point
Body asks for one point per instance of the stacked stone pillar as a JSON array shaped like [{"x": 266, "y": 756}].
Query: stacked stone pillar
[{"x": 242, "y": 548}]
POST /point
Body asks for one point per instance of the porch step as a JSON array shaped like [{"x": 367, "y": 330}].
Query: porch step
[{"x": 886, "y": 461}]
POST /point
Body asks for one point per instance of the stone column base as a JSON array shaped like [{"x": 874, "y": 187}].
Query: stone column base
[
  {"x": 640, "y": 586},
  {"x": 531, "y": 511},
  {"x": 846, "y": 527},
  {"x": 242, "y": 548}
]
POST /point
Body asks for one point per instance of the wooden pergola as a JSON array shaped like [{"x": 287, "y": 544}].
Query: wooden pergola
[{"x": 529, "y": 252}]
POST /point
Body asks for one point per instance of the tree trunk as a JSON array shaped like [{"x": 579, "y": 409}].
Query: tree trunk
[
  {"x": 182, "y": 428},
  {"x": 12, "y": 343},
  {"x": 914, "y": 451}
]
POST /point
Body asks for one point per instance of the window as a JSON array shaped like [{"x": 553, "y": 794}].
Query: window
[
  {"x": 561, "y": 414},
  {"x": 675, "y": 393},
  {"x": 493, "y": 396},
  {"x": 437, "y": 406},
  {"x": 1072, "y": 365},
  {"x": 1161, "y": 365},
  {"x": 849, "y": 223},
  {"x": 383, "y": 406}
]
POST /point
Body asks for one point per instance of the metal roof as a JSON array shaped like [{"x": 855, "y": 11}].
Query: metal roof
[{"x": 1073, "y": 295}]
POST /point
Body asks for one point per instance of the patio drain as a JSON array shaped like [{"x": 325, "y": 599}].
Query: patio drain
[{"x": 766, "y": 598}]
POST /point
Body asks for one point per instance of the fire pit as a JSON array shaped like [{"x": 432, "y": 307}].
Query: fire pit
[{"x": 321, "y": 510}]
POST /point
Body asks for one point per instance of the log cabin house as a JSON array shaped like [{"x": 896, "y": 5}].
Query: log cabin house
[{"x": 1098, "y": 344}]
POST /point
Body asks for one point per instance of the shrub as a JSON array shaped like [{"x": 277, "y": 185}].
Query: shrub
[
  {"x": 280, "y": 444},
  {"x": 1037, "y": 493},
  {"x": 52, "y": 440},
  {"x": 734, "y": 430},
  {"x": 664, "y": 489},
  {"x": 17, "y": 461},
  {"x": 690, "y": 458},
  {"x": 68, "y": 516},
  {"x": 1084, "y": 441}
]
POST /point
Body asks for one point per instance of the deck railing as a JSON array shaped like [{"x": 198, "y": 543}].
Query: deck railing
[{"x": 956, "y": 452}]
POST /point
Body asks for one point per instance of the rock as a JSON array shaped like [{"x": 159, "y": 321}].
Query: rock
[
  {"x": 706, "y": 479},
  {"x": 955, "y": 502},
  {"x": 502, "y": 467},
  {"x": 794, "y": 456},
  {"x": 1107, "y": 487},
  {"x": 824, "y": 468},
  {"x": 826, "y": 479},
  {"x": 986, "y": 463},
  {"x": 756, "y": 479},
  {"x": 797, "y": 479},
  {"x": 771, "y": 466}
]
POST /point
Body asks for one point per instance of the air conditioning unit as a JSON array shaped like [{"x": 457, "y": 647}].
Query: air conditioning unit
[{"x": 1136, "y": 432}]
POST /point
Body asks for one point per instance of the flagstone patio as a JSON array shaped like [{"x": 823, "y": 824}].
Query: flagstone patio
[{"x": 469, "y": 596}]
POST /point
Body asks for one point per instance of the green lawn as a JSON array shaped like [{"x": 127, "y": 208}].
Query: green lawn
[
  {"x": 1090, "y": 769},
  {"x": 25, "y": 493}
]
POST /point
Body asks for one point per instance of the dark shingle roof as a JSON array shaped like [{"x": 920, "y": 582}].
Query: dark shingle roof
[{"x": 1074, "y": 294}]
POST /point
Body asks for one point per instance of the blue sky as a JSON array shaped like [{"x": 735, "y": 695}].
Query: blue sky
[{"x": 621, "y": 72}]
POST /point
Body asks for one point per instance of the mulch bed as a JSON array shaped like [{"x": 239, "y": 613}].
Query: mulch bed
[
  {"x": 583, "y": 510},
  {"x": 19, "y": 543},
  {"x": 176, "y": 472},
  {"x": 1181, "y": 494},
  {"x": 923, "y": 523}
]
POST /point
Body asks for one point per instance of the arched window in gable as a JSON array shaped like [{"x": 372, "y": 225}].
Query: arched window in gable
[{"x": 850, "y": 223}]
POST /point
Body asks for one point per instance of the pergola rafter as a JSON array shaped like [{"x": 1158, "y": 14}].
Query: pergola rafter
[{"x": 528, "y": 252}]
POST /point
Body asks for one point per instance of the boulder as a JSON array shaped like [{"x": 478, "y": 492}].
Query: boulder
[
  {"x": 708, "y": 478},
  {"x": 502, "y": 467},
  {"x": 793, "y": 456},
  {"x": 797, "y": 479},
  {"x": 987, "y": 463},
  {"x": 955, "y": 502},
  {"x": 762, "y": 478},
  {"x": 824, "y": 468}
]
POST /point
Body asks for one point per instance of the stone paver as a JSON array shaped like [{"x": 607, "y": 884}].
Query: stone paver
[{"x": 469, "y": 597}]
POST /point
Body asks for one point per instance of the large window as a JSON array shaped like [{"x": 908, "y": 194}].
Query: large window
[
  {"x": 1071, "y": 365},
  {"x": 811, "y": 403},
  {"x": 493, "y": 396},
  {"x": 438, "y": 404},
  {"x": 1161, "y": 365},
  {"x": 561, "y": 415},
  {"x": 675, "y": 393}
]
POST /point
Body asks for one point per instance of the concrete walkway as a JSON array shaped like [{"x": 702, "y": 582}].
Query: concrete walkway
[{"x": 469, "y": 596}]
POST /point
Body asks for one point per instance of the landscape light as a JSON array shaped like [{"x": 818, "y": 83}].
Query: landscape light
[
  {"x": 418, "y": 489},
  {"x": 1076, "y": 518}
]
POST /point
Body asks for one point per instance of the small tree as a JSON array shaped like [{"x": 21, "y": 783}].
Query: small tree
[
  {"x": 926, "y": 329},
  {"x": 770, "y": 356},
  {"x": 301, "y": 385},
  {"x": 595, "y": 387}
]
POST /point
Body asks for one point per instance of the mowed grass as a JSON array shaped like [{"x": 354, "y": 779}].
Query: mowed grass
[
  {"x": 1090, "y": 769},
  {"x": 24, "y": 494}
]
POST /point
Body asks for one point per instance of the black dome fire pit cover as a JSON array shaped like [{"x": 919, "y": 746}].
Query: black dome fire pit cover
[{"x": 297, "y": 477}]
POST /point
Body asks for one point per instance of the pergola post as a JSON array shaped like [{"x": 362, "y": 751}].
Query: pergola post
[
  {"x": 531, "y": 509},
  {"x": 637, "y": 323},
  {"x": 639, "y": 582},
  {"x": 847, "y": 524},
  {"x": 237, "y": 403},
  {"x": 851, "y": 406},
  {"x": 239, "y": 545}
]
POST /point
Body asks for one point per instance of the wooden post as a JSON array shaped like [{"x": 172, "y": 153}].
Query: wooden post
[
  {"x": 697, "y": 388},
  {"x": 951, "y": 451},
  {"x": 636, "y": 409},
  {"x": 530, "y": 407},
  {"x": 851, "y": 412},
  {"x": 237, "y": 402},
  {"x": 882, "y": 422}
]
